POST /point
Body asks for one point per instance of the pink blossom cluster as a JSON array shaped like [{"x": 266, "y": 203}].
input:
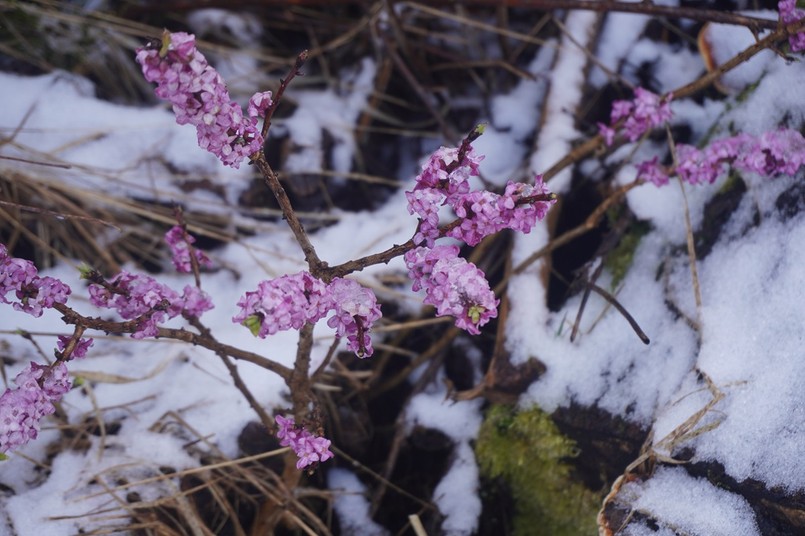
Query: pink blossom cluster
[
  {"x": 636, "y": 117},
  {"x": 355, "y": 310},
  {"x": 22, "y": 409},
  {"x": 789, "y": 14},
  {"x": 443, "y": 180},
  {"x": 453, "y": 285},
  {"x": 143, "y": 298},
  {"x": 81, "y": 346},
  {"x": 199, "y": 97},
  {"x": 180, "y": 242},
  {"x": 309, "y": 448},
  {"x": 33, "y": 292},
  {"x": 484, "y": 213},
  {"x": 776, "y": 152},
  {"x": 291, "y": 301}
]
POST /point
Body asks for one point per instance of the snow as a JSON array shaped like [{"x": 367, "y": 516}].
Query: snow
[
  {"x": 457, "y": 493},
  {"x": 350, "y": 504},
  {"x": 676, "y": 500},
  {"x": 749, "y": 341}
]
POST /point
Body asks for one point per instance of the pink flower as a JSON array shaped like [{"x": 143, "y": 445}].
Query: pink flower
[
  {"x": 356, "y": 309},
  {"x": 180, "y": 243},
  {"x": 485, "y": 213},
  {"x": 81, "y": 347},
  {"x": 291, "y": 301},
  {"x": 651, "y": 171},
  {"x": 777, "y": 152},
  {"x": 309, "y": 448},
  {"x": 142, "y": 297},
  {"x": 789, "y": 14},
  {"x": 636, "y": 117},
  {"x": 33, "y": 292},
  {"x": 287, "y": 302},
  {"x": 199, "y": 97},
  {"x": 21, "y": 409},
  {"x": 445, "y": 173},
  {"x": 452, "y": 285}
]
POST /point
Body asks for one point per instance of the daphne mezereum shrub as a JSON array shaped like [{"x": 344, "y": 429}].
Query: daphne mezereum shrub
[{"x": 198, "y": 95}]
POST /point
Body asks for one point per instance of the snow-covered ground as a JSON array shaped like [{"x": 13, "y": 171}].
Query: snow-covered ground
[{"x": 746, "y": 337}]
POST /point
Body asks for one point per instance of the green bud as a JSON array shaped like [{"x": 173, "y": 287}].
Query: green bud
[
  {"x": 166, "y": 44},
  {"x": 85, "y": 270},
  {"x": 474, "y": 313},
  {"x": 253, "y": 322}
]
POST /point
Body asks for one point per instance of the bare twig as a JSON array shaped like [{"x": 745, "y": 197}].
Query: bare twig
[{"x": 69, "y": 316}]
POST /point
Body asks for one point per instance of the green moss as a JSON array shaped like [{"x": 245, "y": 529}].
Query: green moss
[
  {"x": 619, "y": 260},
  {"x": 527, "y": 450}
]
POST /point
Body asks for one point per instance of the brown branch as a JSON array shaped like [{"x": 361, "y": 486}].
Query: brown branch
[
  {"x": 316, "y": 265},
  {"x": 69, "y": 316},
  {"x": 621, "y": 309},
  {"x": 266, "y": 419},
  {"x": 299, "y": 381},
  {"x": 284, "y": 82},
  {"x": 645, "y": 7}
]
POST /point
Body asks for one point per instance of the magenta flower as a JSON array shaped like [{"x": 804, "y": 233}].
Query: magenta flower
[
  {"x": 142, "y": 297},
  {"x": 33, "y": 292},
  {"x": 452, "y": 285},
  {"x": 199, "y": 97},
  {"x": 180, "y": 243},
  {"x": 636, "y": 117},
  {"x": 445, "y": 173},
  {"x": 789, "y": 14},
  {"x": 485, "y": 213},
  {"x": 287, "y": 302},
  {"x": 777, "y": 152},
  {"x": 356, "y": 309},
  {"x": 22, "y": 409},
  {"x": 81, "y": 347},
  {"x": 291, "y": 301},
  {"x": 309, "y": 448}
]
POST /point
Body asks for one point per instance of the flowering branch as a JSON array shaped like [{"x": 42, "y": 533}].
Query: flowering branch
[{"x": 70, "y": 316}]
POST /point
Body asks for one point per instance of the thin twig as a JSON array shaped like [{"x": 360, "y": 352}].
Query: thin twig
[
  {"x": 622, "y": 310},
  {"x": 316, "y": 265},
  {"x": 70, "y": 316},
  {"x": 275, "y": 100}
]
